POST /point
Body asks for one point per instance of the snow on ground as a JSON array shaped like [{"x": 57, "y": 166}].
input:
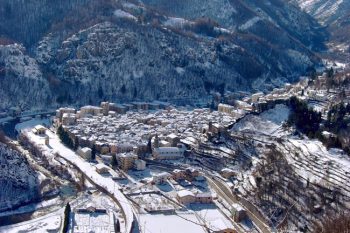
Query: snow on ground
[
  {"x": 321, "y": 9},
  {"x": 32, "y": 123},
  {"x": 123, "y": 14},
  {"x": 210, "y": 214},
  {"x": 113, "y": 188},
  {"x": 314, "y": 160},
  {"x": 47, "y": 223},
  {"x": 250, "y": 23},
  {"x": 315, "y": 147},
  {"x": 176, "y": 22},
  {"x": 32, "y": 207},
  {"x": 269, "y": 122},
  {"x": 161, "y": 223}
]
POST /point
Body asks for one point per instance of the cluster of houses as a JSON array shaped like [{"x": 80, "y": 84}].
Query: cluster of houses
[
  {"x": 186, "y": 197},
  {"x": 165, "y": 134},
  {"x": 317, "y": 95},
  {"x": 260, "y": 102}
]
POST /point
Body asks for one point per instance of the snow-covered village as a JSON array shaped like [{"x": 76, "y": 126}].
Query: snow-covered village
[
  {"x": 243, "y": 166},
  {"x": 175, "y": 116}
]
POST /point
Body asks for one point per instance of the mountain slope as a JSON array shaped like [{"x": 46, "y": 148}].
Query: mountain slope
[
  {"x": 18, "y": 181},
  {"x": 334, "y": 15},
  {"x": 122, "y": 51},
  {"x": 326, "y": 11},
  {"x": 265, "y": 19},
  {"x": 27, "y": 21}
]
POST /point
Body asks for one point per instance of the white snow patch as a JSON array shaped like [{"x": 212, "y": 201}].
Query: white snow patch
[
  {"x": 250, "y": 23},
  {"x": 176, "y": 22},
  {"x": 31, "y": 123},
  {"x": 269, "y": 122},
  {"x": 182, "y": 222},
  {"x": 49, "y": 223},
  {"x": 123, "y": 14}
]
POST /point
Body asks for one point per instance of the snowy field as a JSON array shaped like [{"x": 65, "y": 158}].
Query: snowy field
[
  {"x": 211, "y": 215},
  {"x": 269, "y": 122},
  {"x": 32, "y": 123},
  {"x": 48, "y": 223},
  {"x": 161, "y": 223}
]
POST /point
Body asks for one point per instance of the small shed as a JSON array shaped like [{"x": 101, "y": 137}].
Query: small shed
[
  {"x": 39, "y": 130},
  {"x": 101, "y": 168}
]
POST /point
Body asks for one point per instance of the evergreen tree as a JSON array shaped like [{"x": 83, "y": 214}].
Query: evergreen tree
[
  {"x": 67, "y": 212},
  {"x": 93, "y": 153},
  {"x": 330, "y": 73},
  {"x": 65, "y": 138},
  {"x": 114, "y": 161},
  {"x": 117, "y": 226},
  {"x": 76, "y": 143},
  {"x": 149, "y": 145},
  {"x": 304, "y": 118}
]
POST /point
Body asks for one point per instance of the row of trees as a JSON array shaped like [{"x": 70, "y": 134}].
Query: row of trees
[
  {"x": 66, "y": 139},
  {"x": 305, "y": 119},
  {"x": 337, "y": 122},
  {"x": 308, "y": 121},
  {"x": 336, "y": 118}
]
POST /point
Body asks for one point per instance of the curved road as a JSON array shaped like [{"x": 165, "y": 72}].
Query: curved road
[{"x": 107, "y": 185}]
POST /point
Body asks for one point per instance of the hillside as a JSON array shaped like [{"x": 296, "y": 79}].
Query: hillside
[
  {"x": 82, "y": 52},
  {"x": 18, "y": 181},
  {"x": 334, "y": 16}
]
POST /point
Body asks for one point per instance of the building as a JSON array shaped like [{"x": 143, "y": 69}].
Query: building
[
  {"x": 105, "y": 108},
  {"x": 126, "y": 160},
  {"x": 140, "y": 106},
  {"x": 90, "y": 110},
  {"x": 61, "y": 111},
  {"x": 140, "y": 165},
  {"x": 225, "y": 108},
  {"x": 173, "y": 139},
  {"x": 118, "y": 108},
  {"x": 243, "y": 105},
  {"x": 179, "y": 174},
  {"x": 186, "y": 197},
  {"x": 101, "y": 168},
  {"x": 85, "y": 153},
  {"x": 204, "y": 198},
  {"x": 121, "y": 148},
  {"x": 256, "y": 96},
  {"x": 69, "y": 119},
  {"x": 39, "y": 130},
  {"x": 92, "y": 218},
  {"x": 161, "y": 178},
  {"x": 169, "y": 152},
  {"x": 102, "y": 148},
  {"x": 238, "y": 213}
]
